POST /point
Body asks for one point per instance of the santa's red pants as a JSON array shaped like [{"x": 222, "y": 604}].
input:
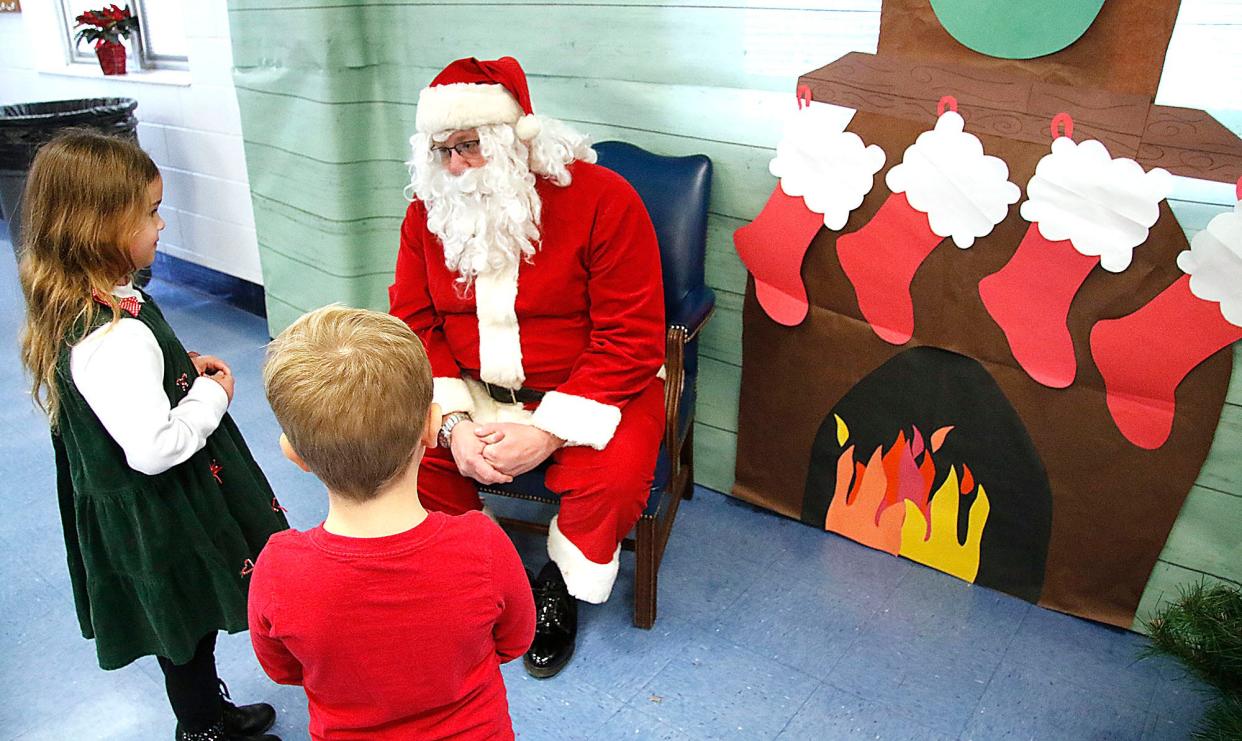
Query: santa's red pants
[{"x": 602, "y": 492}]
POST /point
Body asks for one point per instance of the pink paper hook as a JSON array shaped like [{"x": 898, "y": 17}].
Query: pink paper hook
[
  {"x": 1237, "y": 189},
  {"x": 804, "y": 96},
  {"x": 1062, "y": 121},
  {"x": 948, "y": 102}
]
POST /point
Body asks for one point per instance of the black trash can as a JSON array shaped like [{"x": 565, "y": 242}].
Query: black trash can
[{"x": 24, "y": 127}]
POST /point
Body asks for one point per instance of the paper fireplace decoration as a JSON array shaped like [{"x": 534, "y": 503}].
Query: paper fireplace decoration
[{"x": 999, "y": 357}]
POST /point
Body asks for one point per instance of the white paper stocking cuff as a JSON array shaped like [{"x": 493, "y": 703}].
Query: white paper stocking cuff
[
  {"x": 1105, "y": 207},
  {"x": 830, "y": 168},
  {"x": 1214, "y": 264},
  {"x": 945, "y": 174}
]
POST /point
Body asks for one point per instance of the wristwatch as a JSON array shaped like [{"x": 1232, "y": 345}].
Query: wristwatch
[{"x": 445, "y": 436}]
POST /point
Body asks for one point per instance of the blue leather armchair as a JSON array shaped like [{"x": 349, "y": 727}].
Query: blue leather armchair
[{"x": 675, "y": 191}]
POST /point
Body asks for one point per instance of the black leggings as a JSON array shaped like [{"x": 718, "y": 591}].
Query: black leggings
[{"x": 193, "y": 687}]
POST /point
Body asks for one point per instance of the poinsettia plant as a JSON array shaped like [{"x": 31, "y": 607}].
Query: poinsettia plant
[{"x": 106, "y": 26}]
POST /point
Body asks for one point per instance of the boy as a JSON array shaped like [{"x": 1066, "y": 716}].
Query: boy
[{"x": 395, "y": 620}]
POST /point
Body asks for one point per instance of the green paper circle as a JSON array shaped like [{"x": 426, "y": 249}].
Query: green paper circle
[{"x": 1016, "y": 29}]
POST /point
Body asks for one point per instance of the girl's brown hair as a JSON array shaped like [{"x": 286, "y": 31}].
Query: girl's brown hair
[{"x": 84, "y": 200}]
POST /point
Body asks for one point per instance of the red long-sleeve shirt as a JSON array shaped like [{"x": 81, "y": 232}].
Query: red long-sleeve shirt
[{"x": 397, "y": 637}]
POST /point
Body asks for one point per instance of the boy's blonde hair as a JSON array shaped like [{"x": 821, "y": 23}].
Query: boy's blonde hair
[
  {"x": 351, "y": 389},
  {"x": 84, "y": 199}
]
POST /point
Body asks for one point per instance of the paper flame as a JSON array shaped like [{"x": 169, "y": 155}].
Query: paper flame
[{"x": 887, "y": 503}]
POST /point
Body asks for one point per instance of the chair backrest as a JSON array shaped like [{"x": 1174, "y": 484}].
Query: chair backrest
[{"x": 675, "y": 191}]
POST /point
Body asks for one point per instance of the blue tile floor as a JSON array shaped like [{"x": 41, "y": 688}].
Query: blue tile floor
[{"x": 767, "y": 628}]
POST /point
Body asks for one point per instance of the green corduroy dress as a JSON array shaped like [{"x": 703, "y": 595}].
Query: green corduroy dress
[{"x": 157, "y": 562}]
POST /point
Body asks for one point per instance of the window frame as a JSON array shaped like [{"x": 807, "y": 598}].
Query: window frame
[{"x": 135, "y": 46}]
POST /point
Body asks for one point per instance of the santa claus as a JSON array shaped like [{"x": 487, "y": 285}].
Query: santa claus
[{"x": 532, "y": 277}]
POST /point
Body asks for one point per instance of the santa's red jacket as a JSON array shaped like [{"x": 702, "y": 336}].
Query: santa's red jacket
[{"x": 583, "y": 320}]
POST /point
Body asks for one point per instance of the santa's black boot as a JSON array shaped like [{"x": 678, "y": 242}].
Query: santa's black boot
[{"x": 556, "y": 625}]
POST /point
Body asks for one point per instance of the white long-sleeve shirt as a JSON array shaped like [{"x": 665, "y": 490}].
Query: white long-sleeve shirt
[{"x": 119, "y": 370}]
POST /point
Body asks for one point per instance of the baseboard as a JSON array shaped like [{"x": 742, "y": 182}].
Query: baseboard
[{"x": 232, "y": 290}]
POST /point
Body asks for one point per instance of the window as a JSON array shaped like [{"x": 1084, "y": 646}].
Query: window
[{"x": 159, "y": 43}]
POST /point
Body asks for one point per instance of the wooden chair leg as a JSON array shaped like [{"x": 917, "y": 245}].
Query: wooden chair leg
[
  {"x": 646, "y": 573},
  {"x": 687, "y": 462}
]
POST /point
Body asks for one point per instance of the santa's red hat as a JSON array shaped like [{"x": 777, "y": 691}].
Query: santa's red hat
[{"x": 471, "y": 92}]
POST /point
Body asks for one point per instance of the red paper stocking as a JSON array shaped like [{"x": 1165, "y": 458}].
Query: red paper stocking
[
  {"x": 772, "y": 248},
  {"x": 1030, "y": 298},
  {"x": 1144, "y": 357},
  {"x": 881, "y": 258}
]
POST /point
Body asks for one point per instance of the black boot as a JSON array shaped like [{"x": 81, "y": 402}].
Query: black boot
[
  {"x": 217, "y": 733},
  {"x": 247, "y": 720},
  {"x": 556, "y": 625}
]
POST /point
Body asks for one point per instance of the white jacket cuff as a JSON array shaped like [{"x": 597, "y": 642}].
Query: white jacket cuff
[
  {"x": 577, "y": 420},
  {"x": 452, "y": 395}
]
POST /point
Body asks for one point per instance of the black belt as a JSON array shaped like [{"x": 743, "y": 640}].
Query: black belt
[{"x": 506, "y": 395}]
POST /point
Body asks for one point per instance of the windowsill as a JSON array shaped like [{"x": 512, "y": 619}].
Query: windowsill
[{"x": 173, "y": 77}]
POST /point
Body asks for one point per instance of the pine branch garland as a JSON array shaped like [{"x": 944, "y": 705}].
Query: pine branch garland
[
  {"x": 1222, "y": 721},
  {"x": 1203, "y": 630}
]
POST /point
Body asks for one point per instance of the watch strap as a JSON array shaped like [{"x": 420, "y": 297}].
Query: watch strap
[{"x": 445, "y": 435}]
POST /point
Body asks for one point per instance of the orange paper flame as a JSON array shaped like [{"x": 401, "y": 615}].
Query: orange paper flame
[
  {"x": 887, "y": 503},
  {"x": 865, "y": 516}
]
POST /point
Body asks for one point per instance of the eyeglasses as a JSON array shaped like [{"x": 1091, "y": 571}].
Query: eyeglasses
[{"x": 468, "y": 148}]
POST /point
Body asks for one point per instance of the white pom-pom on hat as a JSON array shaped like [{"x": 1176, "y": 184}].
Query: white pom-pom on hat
[{"x": 528, "y": 127}]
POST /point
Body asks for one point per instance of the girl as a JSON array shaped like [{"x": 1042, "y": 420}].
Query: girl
[{"x": 163, "y": 508}]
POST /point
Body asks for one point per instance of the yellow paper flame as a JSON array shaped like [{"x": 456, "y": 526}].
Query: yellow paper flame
[
  {"x": 843, "y": 431},
  {"x": 941, "y": 550}
]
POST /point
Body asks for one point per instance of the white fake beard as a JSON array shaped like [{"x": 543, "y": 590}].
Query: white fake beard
[{"x": 487, "y": 218}]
